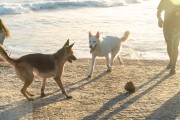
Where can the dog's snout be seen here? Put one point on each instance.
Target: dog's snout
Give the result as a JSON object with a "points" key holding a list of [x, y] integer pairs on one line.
{"points": [[73, 57], [90, 46]]}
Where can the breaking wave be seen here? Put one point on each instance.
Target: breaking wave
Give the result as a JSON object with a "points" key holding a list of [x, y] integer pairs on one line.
{"points": [[25, 7]]}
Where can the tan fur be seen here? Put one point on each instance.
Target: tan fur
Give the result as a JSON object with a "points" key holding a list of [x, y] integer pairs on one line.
{"points": [[42, 65]]}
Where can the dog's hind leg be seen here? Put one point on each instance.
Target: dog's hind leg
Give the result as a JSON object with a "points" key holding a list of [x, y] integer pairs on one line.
{"points": [[26, 75], [112, 58], [114, 54], [120, 60], [58, 81], [107, 63], [27, 83], [43, 87]]}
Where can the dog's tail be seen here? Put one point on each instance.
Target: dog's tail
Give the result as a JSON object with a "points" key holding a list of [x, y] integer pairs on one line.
{"points": [[125, 36], [5, 56]]}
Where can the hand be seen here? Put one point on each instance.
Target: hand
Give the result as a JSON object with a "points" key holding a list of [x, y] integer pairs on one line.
{"points": [[160, 23]]}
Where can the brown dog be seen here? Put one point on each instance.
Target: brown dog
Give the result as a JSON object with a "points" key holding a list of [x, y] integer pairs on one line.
{"points": [[42, 65]]}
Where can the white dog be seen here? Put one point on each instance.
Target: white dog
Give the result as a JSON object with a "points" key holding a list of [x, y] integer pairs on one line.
{"points": [[109, 44]]}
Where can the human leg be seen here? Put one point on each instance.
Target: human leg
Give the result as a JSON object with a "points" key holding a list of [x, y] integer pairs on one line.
{"points": [[167, 31], [168, 41], [175, 53], [174, 27], [2, 37], [169, 51]]}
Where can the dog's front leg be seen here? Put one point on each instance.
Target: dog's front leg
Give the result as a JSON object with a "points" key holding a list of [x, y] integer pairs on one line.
{"points": [[43, 87], [58, 81], [93, 60], [108, 64]]}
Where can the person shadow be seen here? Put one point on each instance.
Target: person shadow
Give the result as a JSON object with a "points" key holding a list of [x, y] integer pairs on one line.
{"points": [[24, 109], [99, 114], [168, 111]]}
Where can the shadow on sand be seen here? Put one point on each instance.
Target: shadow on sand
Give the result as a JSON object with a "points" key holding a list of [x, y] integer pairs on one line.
{"points": [[168, 111], [99, 113], [24, 108]]}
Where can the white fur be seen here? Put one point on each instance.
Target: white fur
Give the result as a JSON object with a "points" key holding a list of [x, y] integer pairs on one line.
{"points": [[102, 48]]}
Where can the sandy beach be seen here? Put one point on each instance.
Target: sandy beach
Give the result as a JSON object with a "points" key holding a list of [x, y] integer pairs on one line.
{"points": [[101, 97]]}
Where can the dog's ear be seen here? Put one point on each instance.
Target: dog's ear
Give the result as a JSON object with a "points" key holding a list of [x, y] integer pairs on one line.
{"points": [[68, 48], [90, 34], [71, 46], [67, 43], [97, 35]]}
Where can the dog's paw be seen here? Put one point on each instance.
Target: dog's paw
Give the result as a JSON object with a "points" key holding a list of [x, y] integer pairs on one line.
{"points": [[30, 94], [30, 99], [88, 76], [121, 64], [43, 95], [69, 97], [109, 69]]}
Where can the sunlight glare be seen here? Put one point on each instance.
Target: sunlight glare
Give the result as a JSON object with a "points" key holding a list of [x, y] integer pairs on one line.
{"points": [[156, 2], [176, 2]]}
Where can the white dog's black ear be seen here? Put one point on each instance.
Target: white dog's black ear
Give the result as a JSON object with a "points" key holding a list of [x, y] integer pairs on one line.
{"points": [[97, 35], [90, 34]]}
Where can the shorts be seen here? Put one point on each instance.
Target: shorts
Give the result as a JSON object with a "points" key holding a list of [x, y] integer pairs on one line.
{"points": [[171, 27], [2, 37]]}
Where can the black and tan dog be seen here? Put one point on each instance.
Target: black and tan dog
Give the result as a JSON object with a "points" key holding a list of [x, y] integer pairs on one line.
{"points": [[42, 65]]}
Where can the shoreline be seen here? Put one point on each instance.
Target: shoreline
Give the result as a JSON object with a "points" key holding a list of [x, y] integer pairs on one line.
{"points": [[102, 96]]}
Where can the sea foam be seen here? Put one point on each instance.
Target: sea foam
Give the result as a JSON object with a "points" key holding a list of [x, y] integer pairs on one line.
{"points": [[23, 7]]}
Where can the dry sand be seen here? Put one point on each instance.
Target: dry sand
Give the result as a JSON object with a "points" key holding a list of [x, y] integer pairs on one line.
{"points": [[101, 97]]}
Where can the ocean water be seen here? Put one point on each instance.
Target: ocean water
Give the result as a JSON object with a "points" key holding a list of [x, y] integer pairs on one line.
{"points": [[43, 26]]}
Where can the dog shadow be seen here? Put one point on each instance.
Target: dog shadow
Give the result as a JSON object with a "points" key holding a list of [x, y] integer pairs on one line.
{"points": [[24, 108], [16, 110], [86, 81], [99, 114], [81, 83]]}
